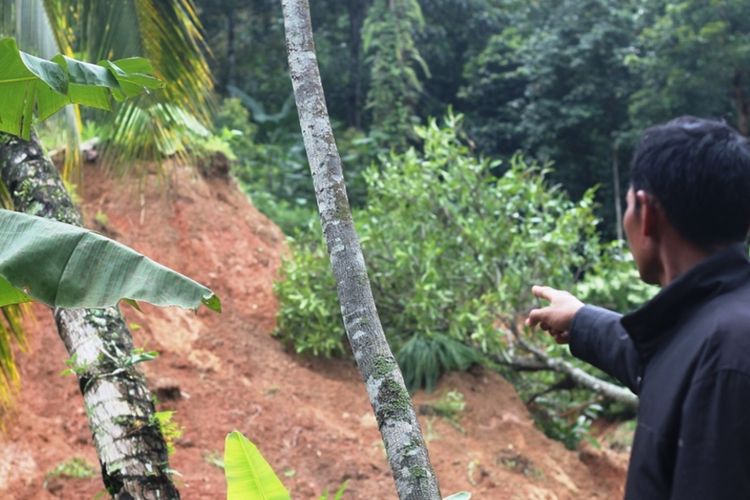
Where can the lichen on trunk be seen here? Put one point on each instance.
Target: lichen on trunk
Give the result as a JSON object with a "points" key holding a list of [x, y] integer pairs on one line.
{"points": [[399, 428], [131, 449]]}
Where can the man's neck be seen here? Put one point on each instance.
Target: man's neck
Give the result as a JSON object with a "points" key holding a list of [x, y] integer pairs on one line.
{"points": [[677, 257]]}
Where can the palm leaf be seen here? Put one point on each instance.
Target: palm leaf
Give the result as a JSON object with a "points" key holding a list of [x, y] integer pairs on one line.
{"points": [[249, 477], [70, 267], [172, 38], [168, 33], [152, 131], [11, 331]]}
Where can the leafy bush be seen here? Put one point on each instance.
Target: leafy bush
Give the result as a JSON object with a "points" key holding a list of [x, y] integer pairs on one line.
{"points": [[452, 251], [274, 172], [308, 315], [614, 282], [271, 167]]}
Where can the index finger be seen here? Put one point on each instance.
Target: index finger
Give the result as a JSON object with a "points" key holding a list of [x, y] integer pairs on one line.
{"points": [[543, 292]]}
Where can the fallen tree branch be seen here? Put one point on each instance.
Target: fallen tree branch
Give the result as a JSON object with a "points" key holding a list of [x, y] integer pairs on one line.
{"points": [[522, 364], [580, 377], [565, 384]]}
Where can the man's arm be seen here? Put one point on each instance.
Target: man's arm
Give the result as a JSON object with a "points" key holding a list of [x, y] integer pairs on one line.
{"points": [[713, 456], [595, 334], [597, 337]]}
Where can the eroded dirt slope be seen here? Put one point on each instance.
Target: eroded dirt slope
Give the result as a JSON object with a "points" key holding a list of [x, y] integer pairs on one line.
{"points": [[311, 418]]}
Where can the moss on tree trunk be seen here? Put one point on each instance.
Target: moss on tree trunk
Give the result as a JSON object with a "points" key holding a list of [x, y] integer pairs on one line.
{"points": [[128, 440], [404, 444]]}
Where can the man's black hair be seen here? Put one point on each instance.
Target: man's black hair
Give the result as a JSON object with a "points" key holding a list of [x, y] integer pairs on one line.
{"points": [[699, 171]]}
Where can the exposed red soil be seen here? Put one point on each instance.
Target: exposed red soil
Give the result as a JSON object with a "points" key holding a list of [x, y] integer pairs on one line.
{"points": [[311, 418]]}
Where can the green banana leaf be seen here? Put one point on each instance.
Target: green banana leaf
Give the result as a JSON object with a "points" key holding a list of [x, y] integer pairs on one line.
{"points": [[249, 477], [28, 82], [68, 266]]}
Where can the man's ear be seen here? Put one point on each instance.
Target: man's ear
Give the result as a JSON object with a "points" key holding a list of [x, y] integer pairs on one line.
{"points": [[650, 213]]}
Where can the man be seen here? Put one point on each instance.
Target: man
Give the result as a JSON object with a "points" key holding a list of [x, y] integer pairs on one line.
{"points": [[686, 352]]}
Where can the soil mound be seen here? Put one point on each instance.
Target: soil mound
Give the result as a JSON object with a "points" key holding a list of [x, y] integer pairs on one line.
{"points": [[311, 418]]}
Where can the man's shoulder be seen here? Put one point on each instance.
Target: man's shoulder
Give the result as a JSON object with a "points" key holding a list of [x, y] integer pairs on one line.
{"points": [[730, 311], [725, 325]]}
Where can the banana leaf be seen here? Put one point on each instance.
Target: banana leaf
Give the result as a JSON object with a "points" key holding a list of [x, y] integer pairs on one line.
{"points": [[28, 82], [72, 267], [249, 477]]}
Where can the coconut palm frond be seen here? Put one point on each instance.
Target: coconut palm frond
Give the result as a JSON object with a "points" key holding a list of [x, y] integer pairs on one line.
{"points": [[151, 130], [172, 38], [59, 22], [11, 332], [169, 34]]}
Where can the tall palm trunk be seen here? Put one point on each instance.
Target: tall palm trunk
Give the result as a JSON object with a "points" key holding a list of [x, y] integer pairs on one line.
{"points": [[128, 440]]}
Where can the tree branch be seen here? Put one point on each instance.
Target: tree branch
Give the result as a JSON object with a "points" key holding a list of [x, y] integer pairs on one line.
{"points": [[580, 377]]}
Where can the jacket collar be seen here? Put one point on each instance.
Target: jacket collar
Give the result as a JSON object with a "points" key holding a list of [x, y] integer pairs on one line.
{"points": [[719, 273]]}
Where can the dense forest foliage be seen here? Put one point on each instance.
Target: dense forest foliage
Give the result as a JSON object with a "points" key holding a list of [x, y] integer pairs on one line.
{"points": [[567, 82], [486, 147]]}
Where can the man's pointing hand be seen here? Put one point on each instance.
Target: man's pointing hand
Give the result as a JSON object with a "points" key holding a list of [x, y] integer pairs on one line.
{"points": [[557, 317]]}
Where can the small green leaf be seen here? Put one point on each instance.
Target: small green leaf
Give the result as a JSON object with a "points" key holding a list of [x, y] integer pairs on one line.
{"points": [[132, 303], [10, 294], [212, 302], [461, 495], [249, 476]]}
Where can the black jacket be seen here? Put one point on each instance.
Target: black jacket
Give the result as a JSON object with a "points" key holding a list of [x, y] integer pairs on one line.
{"points": [[686, 353]]}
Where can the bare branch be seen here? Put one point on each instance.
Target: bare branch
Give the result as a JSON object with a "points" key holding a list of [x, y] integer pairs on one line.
{"points": [[580, 377]]}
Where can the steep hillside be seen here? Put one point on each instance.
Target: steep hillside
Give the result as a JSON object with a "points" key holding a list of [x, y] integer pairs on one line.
{"points": [[311, 418]]}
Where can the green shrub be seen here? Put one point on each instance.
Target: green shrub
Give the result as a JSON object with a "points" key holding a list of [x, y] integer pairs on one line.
{"points": [[614, 282], [308, 316], [271, 167], [452, 251]]}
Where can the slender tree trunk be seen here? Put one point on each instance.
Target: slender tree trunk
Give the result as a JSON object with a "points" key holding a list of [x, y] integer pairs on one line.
{"points": [[404, 445], [741, 104], [131, 449], [230, 12], [357, 11], [616, 188]]}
